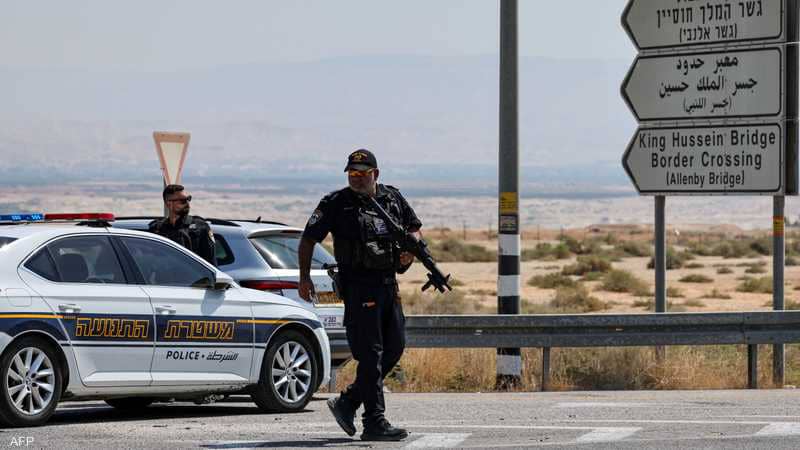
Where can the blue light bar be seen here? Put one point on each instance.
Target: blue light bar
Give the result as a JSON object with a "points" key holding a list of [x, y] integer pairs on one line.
{"points": [[35, 217]]}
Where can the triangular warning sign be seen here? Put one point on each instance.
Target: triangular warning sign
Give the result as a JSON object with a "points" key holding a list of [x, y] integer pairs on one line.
{"points": [[171, 149]]}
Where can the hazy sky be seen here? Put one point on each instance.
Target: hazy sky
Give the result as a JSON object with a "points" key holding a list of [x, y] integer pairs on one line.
{"points": [[163, 35]]}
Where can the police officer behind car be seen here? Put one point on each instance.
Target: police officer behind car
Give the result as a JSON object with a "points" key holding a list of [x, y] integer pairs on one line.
{"points": [[368, 261], [191, 232]]}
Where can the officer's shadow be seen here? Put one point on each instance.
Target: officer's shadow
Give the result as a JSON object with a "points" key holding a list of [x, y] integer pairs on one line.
{"points": [[307, 443]]}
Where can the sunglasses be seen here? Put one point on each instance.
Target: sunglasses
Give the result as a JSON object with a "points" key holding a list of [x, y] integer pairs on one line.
{"points": [[181, 200], [359, 173]]}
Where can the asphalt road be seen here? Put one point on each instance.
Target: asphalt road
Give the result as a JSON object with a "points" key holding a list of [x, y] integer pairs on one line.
{"points": [[605, 420]]}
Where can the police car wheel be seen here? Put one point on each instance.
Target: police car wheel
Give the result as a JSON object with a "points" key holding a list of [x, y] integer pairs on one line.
{"points": [[32, 382], [288, 374], [130, 403]]}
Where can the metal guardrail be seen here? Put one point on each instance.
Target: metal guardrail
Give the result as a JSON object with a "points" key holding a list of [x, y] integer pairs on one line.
{"points": [[606, 330]]}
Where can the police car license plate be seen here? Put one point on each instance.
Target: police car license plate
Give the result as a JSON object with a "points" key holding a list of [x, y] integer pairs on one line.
{"points": [[327, 298], [331, 321]]}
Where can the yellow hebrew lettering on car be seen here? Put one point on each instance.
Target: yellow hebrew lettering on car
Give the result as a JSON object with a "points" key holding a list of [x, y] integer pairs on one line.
{"points": [[199, 329], [111, 327]]}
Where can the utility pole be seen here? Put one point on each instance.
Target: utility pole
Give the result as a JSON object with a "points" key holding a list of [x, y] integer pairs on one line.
{"points": [[509, 361]]}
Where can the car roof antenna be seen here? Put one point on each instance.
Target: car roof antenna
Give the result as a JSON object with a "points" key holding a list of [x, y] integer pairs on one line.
{"points": [[258, 219]]}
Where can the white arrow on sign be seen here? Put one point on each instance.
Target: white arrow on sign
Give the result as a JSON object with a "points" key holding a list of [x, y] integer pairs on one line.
{"points": [[653, 24], [730, 159], [171, 149], [707, 85]]}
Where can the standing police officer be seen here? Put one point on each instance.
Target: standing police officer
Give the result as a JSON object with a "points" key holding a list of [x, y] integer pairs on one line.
{"points": [[191, 232], [368, 260]]}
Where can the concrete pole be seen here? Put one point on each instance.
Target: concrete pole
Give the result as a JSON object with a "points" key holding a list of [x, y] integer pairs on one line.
{"points": [[778, 260], [509, 361]]}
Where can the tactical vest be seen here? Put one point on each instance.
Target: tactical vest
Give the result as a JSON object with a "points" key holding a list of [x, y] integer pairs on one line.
{"points": [[374, 250]]}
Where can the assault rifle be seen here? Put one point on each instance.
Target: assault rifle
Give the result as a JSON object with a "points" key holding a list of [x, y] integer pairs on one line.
{"points": [[409, 243]]}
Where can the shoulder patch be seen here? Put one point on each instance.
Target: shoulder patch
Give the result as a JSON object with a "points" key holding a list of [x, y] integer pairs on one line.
{"points": [[315, 217]]}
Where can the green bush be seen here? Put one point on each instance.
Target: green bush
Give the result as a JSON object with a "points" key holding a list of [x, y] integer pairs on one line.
{"points": [[576, 299], [586, 264], [624, 281], [696, 278], [547, 252], [761, 285], [452, 250], [551, 281], [762, 245], [592, 276]]}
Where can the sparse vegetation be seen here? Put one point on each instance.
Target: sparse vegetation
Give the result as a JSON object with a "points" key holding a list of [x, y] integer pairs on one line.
{"points": [[694, 265], [576, 299], [716, 294], [551, 281], [674, 292], [696, 278], [546, 252], [694, 303], [586, 264], [724, 270], [755, 268], [624, 281], [634, 248], [452, 249], [761, 285], [675, 259]]}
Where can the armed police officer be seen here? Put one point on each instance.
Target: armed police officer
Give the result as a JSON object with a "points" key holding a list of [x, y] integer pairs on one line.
{"points": [[191, 232], [367, 262]]}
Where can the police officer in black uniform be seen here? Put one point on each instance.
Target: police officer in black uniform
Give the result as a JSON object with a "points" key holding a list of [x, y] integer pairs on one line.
{"points": [[368, 261], [191, 232]]}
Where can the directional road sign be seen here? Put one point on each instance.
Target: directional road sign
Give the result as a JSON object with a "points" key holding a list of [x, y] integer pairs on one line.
{"points": [[653, 24], [729, 159], [707, 85], [171, 149]]}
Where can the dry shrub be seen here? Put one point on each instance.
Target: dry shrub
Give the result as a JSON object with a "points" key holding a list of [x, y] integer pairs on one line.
{"points": [[635, 248], [724, 270], [624, 281], [696, 278], [716, 294], [454, 250], [433, 302], [546, 252], [761, 285], [586, 264], [674, 292], [694, 303], [755, 269], [551, 281], [576, 299]]}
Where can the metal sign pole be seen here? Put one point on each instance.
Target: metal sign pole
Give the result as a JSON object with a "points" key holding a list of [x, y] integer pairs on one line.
{"points": [[509, 361], [660, 266], [778, 254]]}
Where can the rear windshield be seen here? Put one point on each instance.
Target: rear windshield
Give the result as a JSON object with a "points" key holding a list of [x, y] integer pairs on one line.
{"points": [[280, 251], [6, 240]]}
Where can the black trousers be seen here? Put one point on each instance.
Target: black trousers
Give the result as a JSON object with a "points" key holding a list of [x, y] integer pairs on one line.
{"points": [[376, 333]]}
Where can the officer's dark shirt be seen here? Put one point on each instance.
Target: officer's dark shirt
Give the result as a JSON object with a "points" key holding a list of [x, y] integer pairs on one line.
{"points": [[337, 213], [191, 232]]}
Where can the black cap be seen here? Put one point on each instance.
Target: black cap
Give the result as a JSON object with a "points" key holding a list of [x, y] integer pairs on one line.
{"points": [[361, 159]]}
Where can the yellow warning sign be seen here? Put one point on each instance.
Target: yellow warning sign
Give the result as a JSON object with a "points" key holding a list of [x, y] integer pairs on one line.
{"points": [[509, 202], [777, 225]]}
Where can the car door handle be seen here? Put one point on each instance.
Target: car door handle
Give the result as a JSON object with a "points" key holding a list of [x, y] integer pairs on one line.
{"points": [[165, 309], [69, 308]]}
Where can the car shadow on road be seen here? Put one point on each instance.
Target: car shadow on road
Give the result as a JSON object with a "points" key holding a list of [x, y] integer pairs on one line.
{"points": [[70, 414], [309, 443]]}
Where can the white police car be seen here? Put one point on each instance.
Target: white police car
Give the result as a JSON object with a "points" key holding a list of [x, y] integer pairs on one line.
{"points": [[90, 312]]}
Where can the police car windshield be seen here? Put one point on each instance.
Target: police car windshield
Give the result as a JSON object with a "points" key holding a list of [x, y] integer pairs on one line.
{"points": [[280, 252], [6, 240]]}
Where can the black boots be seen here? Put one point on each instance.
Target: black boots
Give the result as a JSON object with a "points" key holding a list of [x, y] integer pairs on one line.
{"points": [[383, 431], [343, 414]]}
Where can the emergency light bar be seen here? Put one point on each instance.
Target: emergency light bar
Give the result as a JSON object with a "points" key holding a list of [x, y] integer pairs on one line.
{"points": [[105, 217], [35, 217]]}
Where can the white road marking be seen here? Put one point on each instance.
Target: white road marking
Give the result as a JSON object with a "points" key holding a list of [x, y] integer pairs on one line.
{"points": [[439, 440], [780, 429], [605, 405], [608, 434], [699, 422]]}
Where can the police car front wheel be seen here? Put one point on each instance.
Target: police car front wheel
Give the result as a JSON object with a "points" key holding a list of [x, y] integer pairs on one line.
{"points": [[288, 375], [32, 382]]}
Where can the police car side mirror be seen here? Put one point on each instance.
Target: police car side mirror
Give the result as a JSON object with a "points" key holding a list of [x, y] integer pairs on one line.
{"points": [[223, 282]]}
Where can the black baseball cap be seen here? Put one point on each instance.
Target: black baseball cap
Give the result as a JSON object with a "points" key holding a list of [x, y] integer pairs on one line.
{"points": [[361, 159]]}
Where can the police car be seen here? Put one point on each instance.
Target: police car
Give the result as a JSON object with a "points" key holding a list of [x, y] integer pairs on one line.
{"points": [[94, 312], [263, 255]]}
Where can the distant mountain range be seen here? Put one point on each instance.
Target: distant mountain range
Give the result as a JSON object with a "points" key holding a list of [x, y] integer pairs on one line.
{"points": [[428, 119]]}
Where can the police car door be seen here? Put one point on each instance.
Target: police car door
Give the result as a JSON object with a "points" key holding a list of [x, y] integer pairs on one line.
{"points": [[204, 336], [109, 323]]}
